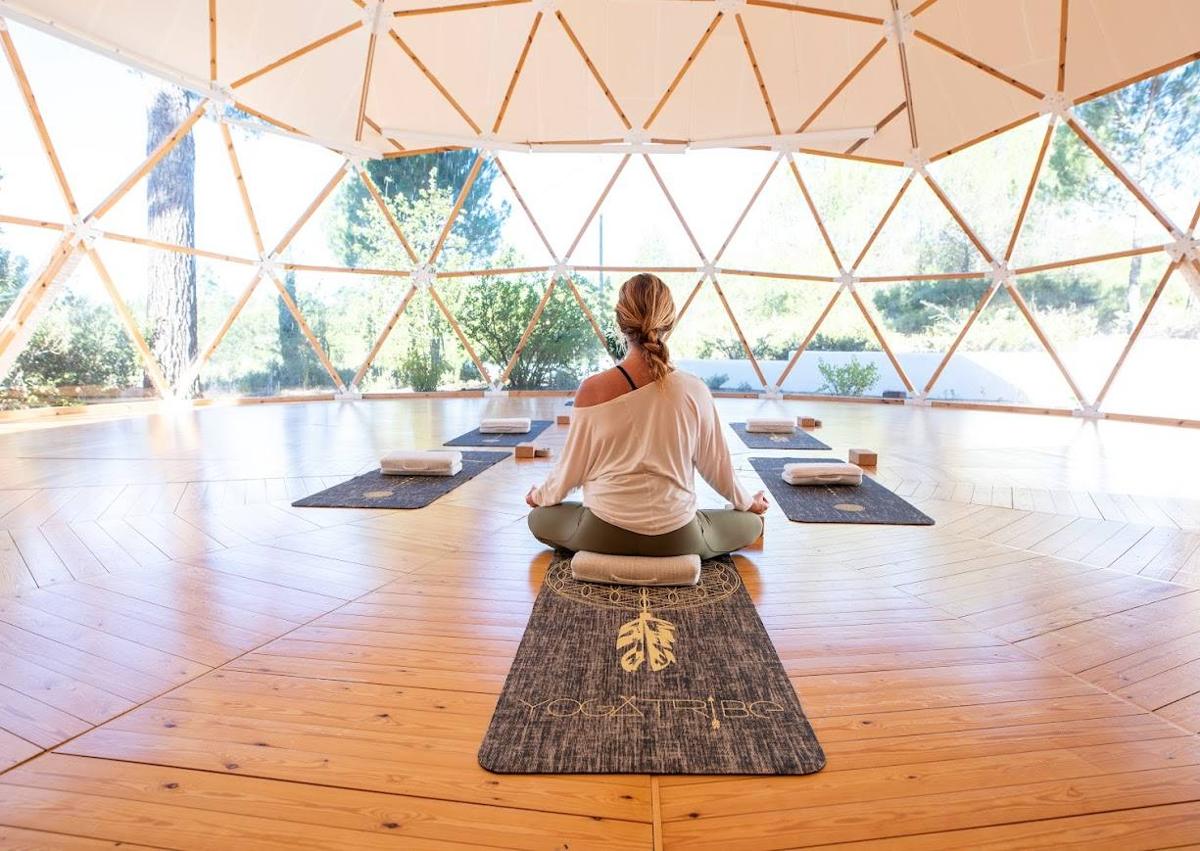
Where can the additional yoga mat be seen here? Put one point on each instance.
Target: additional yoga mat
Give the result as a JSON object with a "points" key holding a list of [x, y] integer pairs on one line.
{"points": [[798, 439], [869, 502], [616, 679], [375, 490], [475, 438]]}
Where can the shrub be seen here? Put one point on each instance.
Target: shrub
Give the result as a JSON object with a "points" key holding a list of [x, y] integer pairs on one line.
{"points": [[716, 382], [852, 378]]}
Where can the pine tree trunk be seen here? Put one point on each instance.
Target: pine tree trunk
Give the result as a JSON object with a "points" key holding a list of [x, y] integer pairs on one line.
{"points": [[171, 217]]}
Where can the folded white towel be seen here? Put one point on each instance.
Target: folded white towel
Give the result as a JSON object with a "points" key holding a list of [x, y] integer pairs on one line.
{"points": [[509, 425], [430, 462], [770, 425], [829, 473], [635, 570]]}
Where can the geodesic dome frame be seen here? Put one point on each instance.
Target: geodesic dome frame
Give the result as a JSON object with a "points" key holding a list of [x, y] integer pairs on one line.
{"points": [[898, 33]]}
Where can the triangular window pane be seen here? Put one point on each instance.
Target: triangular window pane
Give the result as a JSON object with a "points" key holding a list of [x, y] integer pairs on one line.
{"points": [[635, 226], [1151, 381], [79, 352], [920, 237], [1152, 128], [1080, 209], [780, 234]]}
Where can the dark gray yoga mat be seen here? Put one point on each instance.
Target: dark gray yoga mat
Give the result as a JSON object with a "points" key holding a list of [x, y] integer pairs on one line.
{"points": [[475, 438], [798, 439], [615, 679], [375, 490], [869, 502]]}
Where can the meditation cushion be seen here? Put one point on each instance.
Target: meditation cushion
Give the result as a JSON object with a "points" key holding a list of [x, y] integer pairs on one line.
{"points": [[635, 570], [770, 425], [830, 473], [509, 425], [421, 463]]}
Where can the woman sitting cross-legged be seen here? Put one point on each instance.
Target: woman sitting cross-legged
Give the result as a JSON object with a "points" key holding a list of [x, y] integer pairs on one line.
{"points": [[639, 434]]}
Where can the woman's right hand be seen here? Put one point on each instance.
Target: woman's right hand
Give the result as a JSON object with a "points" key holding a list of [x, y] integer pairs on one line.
{"points": [[760, 504]]}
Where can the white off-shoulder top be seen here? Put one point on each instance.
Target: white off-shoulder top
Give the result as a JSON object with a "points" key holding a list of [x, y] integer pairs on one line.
{"points": [[636, 457]]}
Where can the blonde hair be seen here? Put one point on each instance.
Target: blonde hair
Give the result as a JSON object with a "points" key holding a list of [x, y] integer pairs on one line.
{"points": [[646, 315]]}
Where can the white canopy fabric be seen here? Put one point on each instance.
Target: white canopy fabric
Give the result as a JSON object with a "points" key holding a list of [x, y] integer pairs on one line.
{"points": [[414, 74]]}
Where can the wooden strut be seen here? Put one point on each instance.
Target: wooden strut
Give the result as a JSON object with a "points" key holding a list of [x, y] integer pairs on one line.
{"points": [[675, 207], [212, 41], [193, 371], [25, 307], [1136, 332], [746, 210], [758, 75], [587, 60], [175, 248], [980, 64], [458, 205], [887, 214], [787, 370], [35, 113], [388, 215], [904, 76], [516, 74], [368, 65], [662, 101], [1145, 316], [1033, 181], [153, 369], [596, 207], [461, 336], [879, 125], [587, 311], [1019, 301], [841, 86], [294, 310], [457, 7], [521, 200], [533, 320], [762, 379], [243, 191], [875, 329], [813, 10], [155, 157], [295, 54], [812, 208], [382, 337], [437, 84]]}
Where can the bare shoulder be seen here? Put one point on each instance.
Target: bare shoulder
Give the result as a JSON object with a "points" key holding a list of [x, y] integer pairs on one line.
{"points": [[599, 388]]}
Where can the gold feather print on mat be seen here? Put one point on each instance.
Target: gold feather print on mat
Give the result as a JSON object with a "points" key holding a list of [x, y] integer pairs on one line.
{"points": [[646, 638]]}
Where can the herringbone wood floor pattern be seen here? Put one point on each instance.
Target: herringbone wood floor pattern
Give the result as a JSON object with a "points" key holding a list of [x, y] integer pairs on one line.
{"points": [[187, 661]]}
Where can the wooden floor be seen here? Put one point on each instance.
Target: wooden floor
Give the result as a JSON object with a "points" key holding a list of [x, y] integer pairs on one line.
{"points": [[186, 661]]}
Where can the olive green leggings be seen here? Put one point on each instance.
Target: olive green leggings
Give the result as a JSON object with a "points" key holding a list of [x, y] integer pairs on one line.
{"points": [[710, 533]]}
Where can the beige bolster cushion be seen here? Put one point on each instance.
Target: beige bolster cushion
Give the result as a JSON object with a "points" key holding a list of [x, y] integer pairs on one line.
{"points": [[421, 463], [831, 473], [635, 570], [506, 425], [770, 425]]}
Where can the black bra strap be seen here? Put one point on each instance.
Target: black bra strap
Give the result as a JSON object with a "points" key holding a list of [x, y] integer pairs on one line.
{"points": [[632, 386]]}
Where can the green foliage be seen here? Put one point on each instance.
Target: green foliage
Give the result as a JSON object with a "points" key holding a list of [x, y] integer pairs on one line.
{"points": [[768, 348], [822, 342], [1143, 126], [716, 382], [852, 378], [422, 369], [77, 344], [439, 175], [494, 313]]}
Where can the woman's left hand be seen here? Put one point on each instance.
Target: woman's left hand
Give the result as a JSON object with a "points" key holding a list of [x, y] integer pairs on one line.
{"points": [[529, 497], [760, 503]]}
